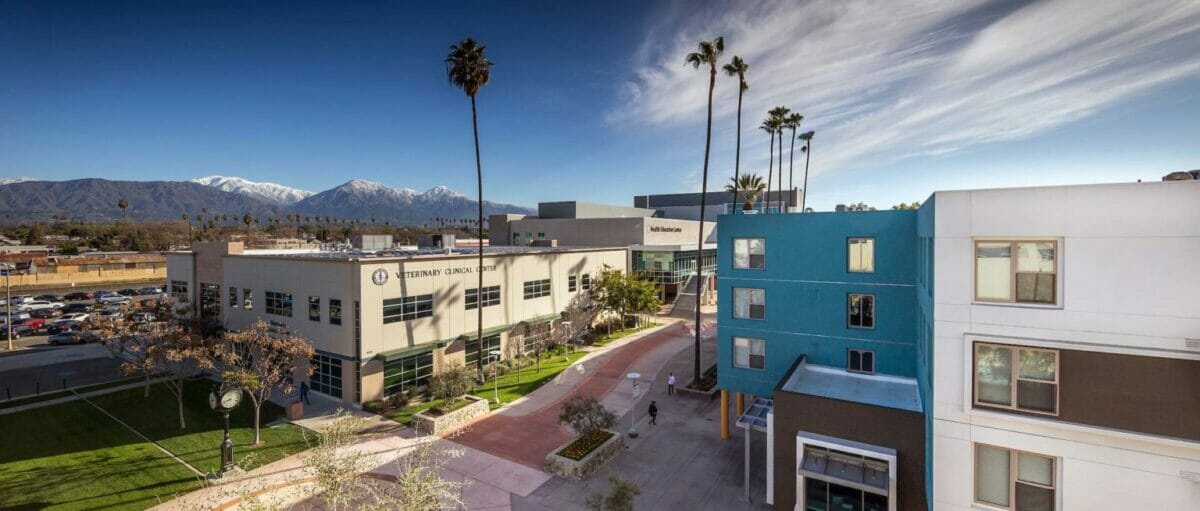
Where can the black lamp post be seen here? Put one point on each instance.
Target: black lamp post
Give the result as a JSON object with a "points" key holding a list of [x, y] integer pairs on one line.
{"points": [[224, 398]]}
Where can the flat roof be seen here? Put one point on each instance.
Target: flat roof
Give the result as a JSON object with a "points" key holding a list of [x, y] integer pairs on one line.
{"points": [[409, 254], [872, 389]]}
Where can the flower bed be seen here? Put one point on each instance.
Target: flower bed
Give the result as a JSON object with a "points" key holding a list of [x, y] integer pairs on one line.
{"points": [[446, 421], [446, 408], [582, 456], [705, 387]]}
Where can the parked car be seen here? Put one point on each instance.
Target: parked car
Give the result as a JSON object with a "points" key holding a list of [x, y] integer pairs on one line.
{"points": [[128, 292], [73, 337], [46, 313], [141, 317], [112, 312], [20, 299], [34, 323], [78, 316], [39, 304], [150, 290], [60, 326], [72, 308], [18, 331], [147, 303], [115, 300], [17, 316], [49, 298], [79, 295]]}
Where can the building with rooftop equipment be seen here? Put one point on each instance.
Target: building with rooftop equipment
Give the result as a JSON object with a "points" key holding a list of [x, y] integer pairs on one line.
{"points": [[1021, 349], [384, 321], [686, 206]]}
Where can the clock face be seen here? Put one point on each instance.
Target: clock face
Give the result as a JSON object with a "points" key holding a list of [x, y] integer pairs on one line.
{"points": [[379, 277], [231, 398]]}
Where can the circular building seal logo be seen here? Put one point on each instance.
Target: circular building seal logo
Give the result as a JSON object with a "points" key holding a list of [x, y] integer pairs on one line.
{"points": [[379, 277]]}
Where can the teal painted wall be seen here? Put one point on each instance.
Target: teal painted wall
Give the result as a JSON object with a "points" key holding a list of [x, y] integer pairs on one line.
{"points": [[806, 283]]}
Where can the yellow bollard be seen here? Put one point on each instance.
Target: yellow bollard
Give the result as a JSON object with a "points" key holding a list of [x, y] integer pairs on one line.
{"points": [[741, 404], [724, 415]]}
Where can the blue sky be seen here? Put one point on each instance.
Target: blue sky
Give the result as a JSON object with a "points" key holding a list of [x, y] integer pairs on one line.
{"points": [[590, 100]]}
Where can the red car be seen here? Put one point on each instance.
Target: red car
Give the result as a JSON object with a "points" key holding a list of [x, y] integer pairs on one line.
{"points": [[34, 323]]}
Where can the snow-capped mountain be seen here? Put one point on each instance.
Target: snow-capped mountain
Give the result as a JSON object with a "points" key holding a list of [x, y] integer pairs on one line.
{"points": [[11, 180], [270, 192], [365, 199]]}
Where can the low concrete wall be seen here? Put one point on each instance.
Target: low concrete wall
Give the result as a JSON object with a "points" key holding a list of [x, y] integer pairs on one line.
{"points": [[442, 424], [89, 278], [578, 470]]}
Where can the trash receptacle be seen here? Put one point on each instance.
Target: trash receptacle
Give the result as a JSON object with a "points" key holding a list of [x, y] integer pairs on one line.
{"points": [[295, 410]]}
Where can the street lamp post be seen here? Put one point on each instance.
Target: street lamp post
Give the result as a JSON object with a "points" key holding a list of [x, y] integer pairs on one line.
{"points": [[495, 375], [633, 378], [223, 399], [8, 304]]}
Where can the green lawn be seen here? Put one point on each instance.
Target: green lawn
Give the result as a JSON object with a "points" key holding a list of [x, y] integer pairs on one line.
{"points": [[199, 444], [70, 456], [509, 389], [605, 339]]}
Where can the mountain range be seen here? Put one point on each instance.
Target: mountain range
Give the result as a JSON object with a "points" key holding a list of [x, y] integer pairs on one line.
{"points": [[23, 199]]}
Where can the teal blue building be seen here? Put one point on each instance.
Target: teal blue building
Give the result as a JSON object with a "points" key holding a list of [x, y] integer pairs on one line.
{"points": [[824, 318]]}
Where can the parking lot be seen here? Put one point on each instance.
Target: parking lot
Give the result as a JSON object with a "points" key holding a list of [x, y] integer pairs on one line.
{"points": [[40, 338]]}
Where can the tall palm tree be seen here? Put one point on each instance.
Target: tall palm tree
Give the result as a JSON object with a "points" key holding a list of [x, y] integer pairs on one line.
{"points": [[807, 150], [738, 67], [749, 186], [123, 204], [248, 219], [468, 69], [792, 121], [779, 114], [768, 125], [706, 55]]}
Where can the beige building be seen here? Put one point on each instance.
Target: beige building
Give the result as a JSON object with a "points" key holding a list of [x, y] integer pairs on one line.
{"points": [[383, 322]]}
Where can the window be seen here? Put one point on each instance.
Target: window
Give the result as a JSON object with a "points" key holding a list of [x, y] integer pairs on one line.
{"points": [[572, 283], [748, 353], [335, 311], [1016, 378], [541, 235], [838, 480], [1014, 479], [210, 299], [585, 281], [1032, 279], [407, 373], [407, 308], [314, 308], [749, 303], [233, 298], [860, 361], [327, 374], [861, 253], [749, 253], [491, 296], [516, 238], [279, 304], [179, 289], [537, 288], [276, 327], [477, 354], [861, 311], [247, 299], [535, 337]]}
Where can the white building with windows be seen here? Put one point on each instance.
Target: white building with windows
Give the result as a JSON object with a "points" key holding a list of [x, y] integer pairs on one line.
{"points": [[382, 322], [1066, 347]]}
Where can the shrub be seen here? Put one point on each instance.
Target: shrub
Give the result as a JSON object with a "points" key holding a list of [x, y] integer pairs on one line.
{"points": [[619, 497], [375, 406], [586, 415], [452, 383]]}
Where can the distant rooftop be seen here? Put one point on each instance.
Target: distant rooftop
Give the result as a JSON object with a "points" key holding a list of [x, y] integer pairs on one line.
{"points": [[414, 253], [873, 389]]}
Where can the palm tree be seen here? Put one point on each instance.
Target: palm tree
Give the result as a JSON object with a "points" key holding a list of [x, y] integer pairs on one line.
{"points": [[749, 186], [737, 67], [707, 55], [468, 69], [780, 114], [123, 204], [768, 125], [247, 219], [807, 150], [792, 121]]}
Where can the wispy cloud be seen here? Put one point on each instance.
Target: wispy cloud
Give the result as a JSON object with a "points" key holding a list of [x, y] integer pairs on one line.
{"points": [[885, 80]]}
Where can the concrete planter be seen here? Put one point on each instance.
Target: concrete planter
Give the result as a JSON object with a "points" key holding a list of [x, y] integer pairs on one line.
{"points": [[578, 470], [698, 394], [445, 423]]}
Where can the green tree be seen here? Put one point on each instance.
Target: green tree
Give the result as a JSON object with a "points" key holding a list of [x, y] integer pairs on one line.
{"points": [[738, 67], [706, 55], [625, 293], [778, 116], [468, 69], [768, 125], [620, 496], [902, 205], [123, 204], [791, 121], [749, 186], [585, 415], [247, 219]]}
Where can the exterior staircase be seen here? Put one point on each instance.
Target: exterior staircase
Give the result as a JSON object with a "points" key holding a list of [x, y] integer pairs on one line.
{"points": [[685, 301]]}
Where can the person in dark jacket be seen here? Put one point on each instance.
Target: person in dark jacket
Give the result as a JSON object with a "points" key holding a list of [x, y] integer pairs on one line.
{"points": [[304, 392], [653, 413]]}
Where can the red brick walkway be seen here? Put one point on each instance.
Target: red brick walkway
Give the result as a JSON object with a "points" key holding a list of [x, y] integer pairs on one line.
{"points": [[528, 439]]}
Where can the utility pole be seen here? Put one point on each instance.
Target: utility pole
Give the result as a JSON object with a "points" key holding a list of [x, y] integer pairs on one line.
{"points": [[8, 304]]}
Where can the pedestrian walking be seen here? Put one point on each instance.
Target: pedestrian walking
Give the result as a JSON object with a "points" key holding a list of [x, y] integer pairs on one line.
{"points": [[304, 392], [653, 413], [671, 385]]}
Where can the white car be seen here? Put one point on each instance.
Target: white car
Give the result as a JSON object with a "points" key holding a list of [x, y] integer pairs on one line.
{"points": [[114, 300], [16, 316], [38, 305], [112, 312], [76, 316], [20, 299]]}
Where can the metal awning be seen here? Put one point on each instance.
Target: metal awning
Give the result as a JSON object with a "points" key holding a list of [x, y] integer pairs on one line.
{"points": [[409, 351], [755, 417], [845, 469], [486, 332]]}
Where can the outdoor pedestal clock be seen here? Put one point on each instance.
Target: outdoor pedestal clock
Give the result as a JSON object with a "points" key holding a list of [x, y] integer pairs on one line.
{"points": [[224, 398]]}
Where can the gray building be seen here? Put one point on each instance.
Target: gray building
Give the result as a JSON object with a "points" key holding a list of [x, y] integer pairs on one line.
{"points": [[686, 206]]}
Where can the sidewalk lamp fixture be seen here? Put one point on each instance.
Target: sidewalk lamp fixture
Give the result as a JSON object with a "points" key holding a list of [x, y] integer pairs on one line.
{"points": [[570, 339], [633, 378], [495, 354], [223, 399]]}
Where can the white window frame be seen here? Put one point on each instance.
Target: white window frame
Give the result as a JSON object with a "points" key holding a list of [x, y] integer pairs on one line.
{"points": [[874, 242], [804, 439], [749, 316], [1014, 379], [1013, 241], [750, 342], [849, 356], [849, 300], [1013, 465], [745, 242]]}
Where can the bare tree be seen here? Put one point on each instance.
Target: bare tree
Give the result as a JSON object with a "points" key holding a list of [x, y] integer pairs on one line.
{"points": [[619, 497], [261, 361]]}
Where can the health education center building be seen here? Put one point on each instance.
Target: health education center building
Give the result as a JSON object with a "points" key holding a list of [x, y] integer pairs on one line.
{"points": [[1033, 349], [384, 321]]}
